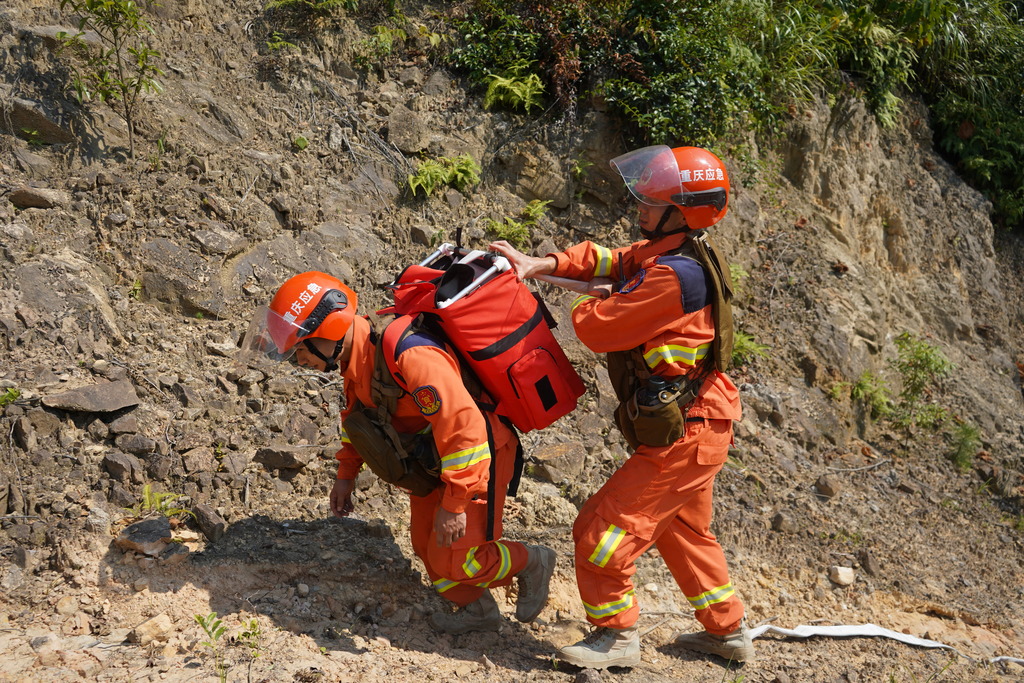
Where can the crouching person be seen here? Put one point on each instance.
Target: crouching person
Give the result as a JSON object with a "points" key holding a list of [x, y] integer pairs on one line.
{"points": [[462, 458]]}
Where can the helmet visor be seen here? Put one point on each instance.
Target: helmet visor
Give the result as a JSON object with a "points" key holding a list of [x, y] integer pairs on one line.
{"points": [[274, 336], [650, 173], [267, 335]]}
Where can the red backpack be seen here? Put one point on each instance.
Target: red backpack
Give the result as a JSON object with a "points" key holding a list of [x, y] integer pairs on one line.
{"points": [[501, 330]]}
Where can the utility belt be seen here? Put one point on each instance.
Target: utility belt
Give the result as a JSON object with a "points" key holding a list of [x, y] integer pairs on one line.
{"points": [[655, 415], [652, 409]]}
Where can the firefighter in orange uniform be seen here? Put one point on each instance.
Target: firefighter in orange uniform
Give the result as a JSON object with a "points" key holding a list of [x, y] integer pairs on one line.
{"points": [[313, 316], [650, 309]]}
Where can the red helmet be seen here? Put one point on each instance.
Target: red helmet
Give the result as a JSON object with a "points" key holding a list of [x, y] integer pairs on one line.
{"points": [[307, 306], [690, 178]]}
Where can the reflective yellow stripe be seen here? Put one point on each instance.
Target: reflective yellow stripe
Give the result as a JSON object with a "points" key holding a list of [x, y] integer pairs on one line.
{"points": [[441, 585], [579, 300], [673, 353], [603, 255], [344, 436], [711, 597], [471, 566], [466, 457], [610, 608], [504, 568], [609, 542]]}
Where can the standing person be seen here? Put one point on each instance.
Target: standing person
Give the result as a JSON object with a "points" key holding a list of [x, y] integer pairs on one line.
{"points": [[313, 317], [676, 406]]}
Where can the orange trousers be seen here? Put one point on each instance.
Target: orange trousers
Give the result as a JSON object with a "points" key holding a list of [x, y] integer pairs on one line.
{"points": [[462, 571], [661, 497]]}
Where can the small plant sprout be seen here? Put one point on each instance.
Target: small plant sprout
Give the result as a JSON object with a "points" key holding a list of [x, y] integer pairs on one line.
{"points": [[214, 629], [745, 349], [299, 143], [251, 638], [966, 444]]}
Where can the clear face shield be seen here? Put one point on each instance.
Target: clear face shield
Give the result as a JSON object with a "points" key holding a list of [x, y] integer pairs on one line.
{"points": [[267, 334], [650, 170], [274, 336]]}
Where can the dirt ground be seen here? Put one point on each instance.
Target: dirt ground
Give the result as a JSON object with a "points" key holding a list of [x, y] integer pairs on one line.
{"points": [[148, 270]]}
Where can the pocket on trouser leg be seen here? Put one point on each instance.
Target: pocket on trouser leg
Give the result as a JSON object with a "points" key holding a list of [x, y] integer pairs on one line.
{"points": [[713, 448]]}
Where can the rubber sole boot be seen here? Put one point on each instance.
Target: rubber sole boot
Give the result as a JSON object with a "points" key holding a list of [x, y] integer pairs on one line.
{"points": [[734, 647], [603, 648], [480, 615], [534, 582]]}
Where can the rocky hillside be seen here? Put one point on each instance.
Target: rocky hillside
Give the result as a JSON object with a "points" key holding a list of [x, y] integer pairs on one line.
{"points": [[127, 282]]}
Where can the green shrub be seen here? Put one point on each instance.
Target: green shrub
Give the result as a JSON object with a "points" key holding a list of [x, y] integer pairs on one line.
{"points": [[693, 71], [920, 366], [312, 8], [460, 172], [966, 444], [872, 392], [122, 67], [379, 46], [512, 231], [745, 349], [278, 42]]}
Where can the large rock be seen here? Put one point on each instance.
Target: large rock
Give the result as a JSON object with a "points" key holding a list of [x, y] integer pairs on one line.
{"points": [[148, 537], [181, 278], [407, 130], [18, 115], [106, 397], [29, 197], [282, 457]]}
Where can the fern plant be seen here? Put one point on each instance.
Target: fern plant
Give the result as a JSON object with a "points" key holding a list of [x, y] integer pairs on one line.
{"points": [[460, 172], [745, 349], [157, 502], [514, 90]]}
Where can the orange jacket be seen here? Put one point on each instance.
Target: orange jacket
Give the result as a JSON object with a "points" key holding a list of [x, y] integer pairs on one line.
{"points": [[664, 307], [438, 401]]}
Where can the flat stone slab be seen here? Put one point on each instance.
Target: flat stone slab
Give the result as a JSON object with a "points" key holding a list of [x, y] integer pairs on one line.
{"points": [[107, 397]]}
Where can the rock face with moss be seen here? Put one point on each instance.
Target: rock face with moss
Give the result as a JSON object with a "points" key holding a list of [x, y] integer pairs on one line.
{"points": [[864, 268]]}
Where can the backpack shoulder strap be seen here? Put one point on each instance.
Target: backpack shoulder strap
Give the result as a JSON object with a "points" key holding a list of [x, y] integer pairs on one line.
{"points": [[385, 388], [718, 271]]}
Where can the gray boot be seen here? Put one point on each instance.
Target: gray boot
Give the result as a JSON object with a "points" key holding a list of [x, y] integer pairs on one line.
{"points": [[534, 582], [734, 647], [480, 615], [603, 648]]}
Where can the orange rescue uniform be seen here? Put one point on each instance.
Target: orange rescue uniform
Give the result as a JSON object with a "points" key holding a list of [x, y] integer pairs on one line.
{"points": [[437, 401], [662, 495]]}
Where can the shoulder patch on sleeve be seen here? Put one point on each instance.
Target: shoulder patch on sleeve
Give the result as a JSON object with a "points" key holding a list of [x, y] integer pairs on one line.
{"points": [[427, 399], [634, 282]]}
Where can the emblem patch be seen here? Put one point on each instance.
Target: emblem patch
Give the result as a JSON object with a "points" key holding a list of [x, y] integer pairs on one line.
{"points": [[427, 399], [634, 282]]}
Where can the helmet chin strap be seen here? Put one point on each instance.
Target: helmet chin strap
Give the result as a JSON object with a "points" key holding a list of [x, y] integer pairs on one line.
{"points": [[330, 364], [659, 229]]}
